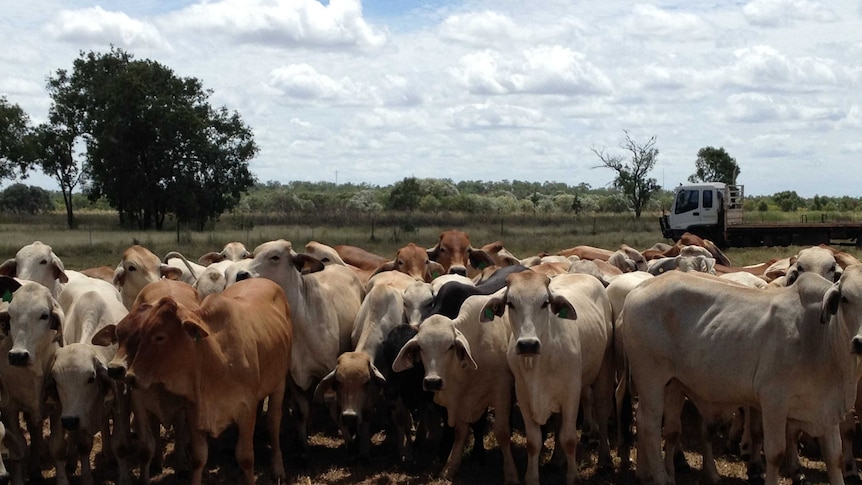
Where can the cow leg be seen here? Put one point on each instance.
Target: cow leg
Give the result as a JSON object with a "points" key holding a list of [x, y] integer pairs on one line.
{"points": [[300, 397], [453, 463], [4, 474], [84, 444], [624, 413], [534, 446], [603, 396], [58, 446], [16, 444], [708, 429], [199, 452], [146, 440], [402, 424], [119, 435], [774, 441], [568, 440], [790, 466], [503, 434], [182, 443], [244, 446], [37, 445], [848, 461], [274, 415], [830, 448], [649, 417], [754, 425]]}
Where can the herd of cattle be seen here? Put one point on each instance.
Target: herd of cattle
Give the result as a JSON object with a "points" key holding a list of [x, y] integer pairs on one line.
{"points": [[431, 336]]}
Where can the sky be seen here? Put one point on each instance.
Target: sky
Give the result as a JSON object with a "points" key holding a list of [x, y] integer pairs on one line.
{"points": [[376, 91]]}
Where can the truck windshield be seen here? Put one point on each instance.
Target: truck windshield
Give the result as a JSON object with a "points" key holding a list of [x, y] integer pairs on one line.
{"points": [[686, 200]]}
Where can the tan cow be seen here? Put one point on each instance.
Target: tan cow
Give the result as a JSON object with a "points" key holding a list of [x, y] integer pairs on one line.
{"points": [[561, 346], [139, 267], [792, 352], [465, 366], [232, 251], [223, 356], [413, 260], [154, 406], [324, 301]]}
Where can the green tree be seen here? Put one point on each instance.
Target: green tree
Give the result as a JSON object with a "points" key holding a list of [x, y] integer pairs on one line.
{"points": [[154, 143], [405, 195], [715, 165], [14, 132], [21, 199], [788, 200], [632, 176]]}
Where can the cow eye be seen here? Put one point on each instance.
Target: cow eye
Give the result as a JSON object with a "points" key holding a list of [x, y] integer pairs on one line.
{"points": [[275, 258], [509, 305], [132, 268], [43, 316], [159, 338], [545, 304], [91, 379], [44, 261]]}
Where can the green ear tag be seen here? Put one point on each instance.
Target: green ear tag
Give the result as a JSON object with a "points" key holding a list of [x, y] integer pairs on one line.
{"points": [[435, 274], [483, 265], [564, 313], [7, 296], [489, 314]]}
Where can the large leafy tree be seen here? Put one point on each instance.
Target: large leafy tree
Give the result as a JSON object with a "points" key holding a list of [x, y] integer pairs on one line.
{"points": [[154, 143], [714, 165], [632, 177], [14, 132], [405, 195]]}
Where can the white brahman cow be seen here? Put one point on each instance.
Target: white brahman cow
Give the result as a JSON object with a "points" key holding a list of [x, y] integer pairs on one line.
{"points": [[791, 352]]}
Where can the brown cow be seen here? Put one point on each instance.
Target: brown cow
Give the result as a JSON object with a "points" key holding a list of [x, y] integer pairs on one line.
{"points": [[223, 356], [359, 257], [587, 252], [413, 261], [454, 252]]}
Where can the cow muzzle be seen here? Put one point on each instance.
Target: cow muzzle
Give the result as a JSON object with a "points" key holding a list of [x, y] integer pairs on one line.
{"points": [[349, 419], [459, 270], [432, 384], [857, 345], [243, 275], [528, 346], [71, 423], [19, 358], [116, 371]]}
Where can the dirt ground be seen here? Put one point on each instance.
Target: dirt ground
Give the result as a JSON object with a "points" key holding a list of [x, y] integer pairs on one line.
{"points": [[329, 464]]}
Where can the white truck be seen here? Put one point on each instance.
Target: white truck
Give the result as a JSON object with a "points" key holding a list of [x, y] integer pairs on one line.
{"points": [[713, 210]]}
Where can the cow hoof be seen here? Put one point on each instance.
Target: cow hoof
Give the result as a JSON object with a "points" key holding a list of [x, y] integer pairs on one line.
{"points": [[800, 480], [756, 479], [853, 480]]}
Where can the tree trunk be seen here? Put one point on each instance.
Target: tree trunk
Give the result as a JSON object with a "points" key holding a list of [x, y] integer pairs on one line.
{"points": [[67, 199]]}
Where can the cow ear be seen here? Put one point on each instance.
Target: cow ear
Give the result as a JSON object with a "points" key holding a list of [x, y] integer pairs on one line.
{"points": [[107, 386], [462, 350], [479, 259], [387, 266], [8, 286], [829, 306], [119, 276], [210, 258], [494, 307], [49, 389], [195, 331], [106, 336], [306, 264], [325, 392], [563, 308], [170, 272], [56, 322], [432, 270], [59, 269], [406, 356], [433, 253], [9, 268]]}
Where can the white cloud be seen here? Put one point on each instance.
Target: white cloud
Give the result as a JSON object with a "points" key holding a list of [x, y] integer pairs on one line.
{"points": [[484, 28], [540, 70], [764, 67], [303, 82], [782, 13], [649, 21], [488, 115], [281, 22], [96, 25]]}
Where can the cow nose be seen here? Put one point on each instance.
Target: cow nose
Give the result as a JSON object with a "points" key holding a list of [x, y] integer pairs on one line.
{"points": [[349, 418], [857, 345], [528, 346], [432, 383], [116, 371], [131, 380], [459, 270], [243, 275], [71, 423], [19, 357]]}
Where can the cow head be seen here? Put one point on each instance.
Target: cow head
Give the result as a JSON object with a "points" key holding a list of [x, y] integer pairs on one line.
{"points": [[82, 385], [443, 350], [418, 301], [846, 303], [814, 260], [529, 304], [350, 386], [34, 321], [232, 251], [277, 261], [139, 267], [413, 261], [36, 262], [453, 251]]}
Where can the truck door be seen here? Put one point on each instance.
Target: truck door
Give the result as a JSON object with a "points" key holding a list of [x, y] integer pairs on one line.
{"points": [[686, 209]]}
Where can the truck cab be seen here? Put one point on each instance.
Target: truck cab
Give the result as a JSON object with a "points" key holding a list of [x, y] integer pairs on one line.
{"points": [[698, 209]]}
